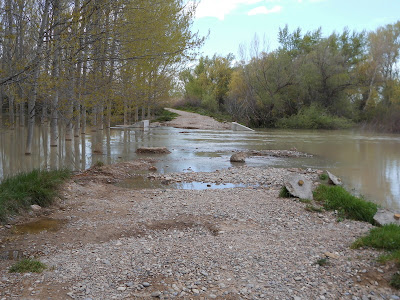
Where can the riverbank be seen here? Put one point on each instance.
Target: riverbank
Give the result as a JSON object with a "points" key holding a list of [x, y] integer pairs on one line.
{"points": [[236, 243]]}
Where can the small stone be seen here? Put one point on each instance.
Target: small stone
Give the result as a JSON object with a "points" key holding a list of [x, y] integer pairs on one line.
{"points": [[36, 207], [394, 297], [298, 278], [296, 298], [212, 296], [146, 284], [156, 294], [195, 291], [331, 255], [121, 288]]}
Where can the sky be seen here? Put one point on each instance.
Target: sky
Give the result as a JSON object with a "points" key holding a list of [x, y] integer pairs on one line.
{"points": [[235, 22]]}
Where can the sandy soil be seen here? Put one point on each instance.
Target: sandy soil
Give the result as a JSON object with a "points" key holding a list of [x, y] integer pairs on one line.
{"points": [[232, 243]]}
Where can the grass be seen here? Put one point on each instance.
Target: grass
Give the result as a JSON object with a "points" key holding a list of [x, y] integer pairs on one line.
{"points": [[322, 262], [165, 116], [19, 192], [351, 207], [323, 176], [27, 265], [99, 164], [386, 238], [284, 193], [313, 208]]}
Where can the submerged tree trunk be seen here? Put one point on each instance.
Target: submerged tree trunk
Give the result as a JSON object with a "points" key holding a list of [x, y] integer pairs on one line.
{"points": [[33, 97]]}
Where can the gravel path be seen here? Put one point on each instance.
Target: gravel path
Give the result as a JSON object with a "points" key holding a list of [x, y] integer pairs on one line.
{"points": [[237, 243], [189, 120]]}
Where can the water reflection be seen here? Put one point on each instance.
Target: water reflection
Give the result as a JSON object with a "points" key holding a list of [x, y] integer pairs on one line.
{"points": [[368, 163]]}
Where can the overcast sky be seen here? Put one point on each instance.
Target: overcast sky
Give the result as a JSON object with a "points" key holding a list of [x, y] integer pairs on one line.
{"points": [[232, 22]]}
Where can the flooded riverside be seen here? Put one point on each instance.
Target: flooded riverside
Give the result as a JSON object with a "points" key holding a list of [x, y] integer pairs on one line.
{"points": [[368, 163]]}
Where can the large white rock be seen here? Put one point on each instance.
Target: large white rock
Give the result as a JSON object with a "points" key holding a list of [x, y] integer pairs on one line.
{"points": [[385, 216], [333, 179], [299, 186]]}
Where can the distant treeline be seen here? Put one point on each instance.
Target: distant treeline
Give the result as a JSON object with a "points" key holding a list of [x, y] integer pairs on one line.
{"points": [[310, 81]]}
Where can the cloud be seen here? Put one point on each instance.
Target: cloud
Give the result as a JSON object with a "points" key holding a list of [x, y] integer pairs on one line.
{"points": [[263, 10], [220, 8]]}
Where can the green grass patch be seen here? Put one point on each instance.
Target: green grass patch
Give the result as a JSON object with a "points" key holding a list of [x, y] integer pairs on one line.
{"points": [[37, 187], [27, 265], [165, 116], [322, 262], [284, 193], [323, 176], [386, 237], [313, 208], [308, 201], [352, 207]]}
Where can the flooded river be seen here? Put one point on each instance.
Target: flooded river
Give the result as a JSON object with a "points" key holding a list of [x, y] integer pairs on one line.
{"points": [[368, 163]]}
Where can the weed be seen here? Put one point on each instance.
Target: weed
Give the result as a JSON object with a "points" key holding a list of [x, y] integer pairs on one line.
{"points": [[386, 237], [337, 198], [305, 200], [323, 176], [395, 281], [36, 187], [322, 262], [27, 265], [284, 193], [98, 164], [313, 208], [165, 116]]}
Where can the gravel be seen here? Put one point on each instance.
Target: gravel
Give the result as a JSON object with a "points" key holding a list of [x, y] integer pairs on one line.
{"points": [[237, 243]]}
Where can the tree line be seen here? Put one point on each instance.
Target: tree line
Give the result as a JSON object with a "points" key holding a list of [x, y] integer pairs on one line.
{"points": [[78, 62], [309, 81]]}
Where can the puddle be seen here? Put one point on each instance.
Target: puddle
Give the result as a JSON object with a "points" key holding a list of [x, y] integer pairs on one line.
{"points": [[139, 182], [45, 224], [11, 255]]}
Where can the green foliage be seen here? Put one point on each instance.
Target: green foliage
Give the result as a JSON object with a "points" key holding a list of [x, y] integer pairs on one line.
{"points": [[322, 262], [165, 116], [27, 265], [386, 237], [284, 193], [313, 208], [99, 164], [36, 187], [313, 117], [337, 198], [323, 176], [395, 281]]}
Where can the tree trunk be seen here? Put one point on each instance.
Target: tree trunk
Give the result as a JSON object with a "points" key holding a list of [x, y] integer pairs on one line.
{"points": [[33, 97]]}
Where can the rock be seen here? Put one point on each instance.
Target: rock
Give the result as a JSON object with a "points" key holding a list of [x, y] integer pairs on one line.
{"points": [[331, 255], [121, 288], [385, 216], [36, 207], [153, 168], [238, 157], [299, 186], [333, 179], [156, 294], [153, 150], [146, 284]]}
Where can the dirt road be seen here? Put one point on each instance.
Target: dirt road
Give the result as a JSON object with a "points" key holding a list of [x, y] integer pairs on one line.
{"points": [[187, 120]]}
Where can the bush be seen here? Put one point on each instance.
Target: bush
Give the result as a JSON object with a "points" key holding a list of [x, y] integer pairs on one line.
{"points": [[165, 116], [337, 198], [36, 187], [313, 117]]}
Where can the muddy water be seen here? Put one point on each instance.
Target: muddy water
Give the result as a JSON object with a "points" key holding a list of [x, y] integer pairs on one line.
{"points": [[368, 163]]}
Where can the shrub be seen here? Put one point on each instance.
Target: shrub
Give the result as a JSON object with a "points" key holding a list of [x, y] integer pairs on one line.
{"points": [[337, 198], [313, 117]]}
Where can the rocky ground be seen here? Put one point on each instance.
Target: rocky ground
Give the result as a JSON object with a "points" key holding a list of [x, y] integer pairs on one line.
{"points": [[245, 242], [236, 243]]}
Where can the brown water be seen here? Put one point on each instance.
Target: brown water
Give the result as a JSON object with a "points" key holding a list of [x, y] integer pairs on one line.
{"points": [[368, 163], [44, 224]]}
